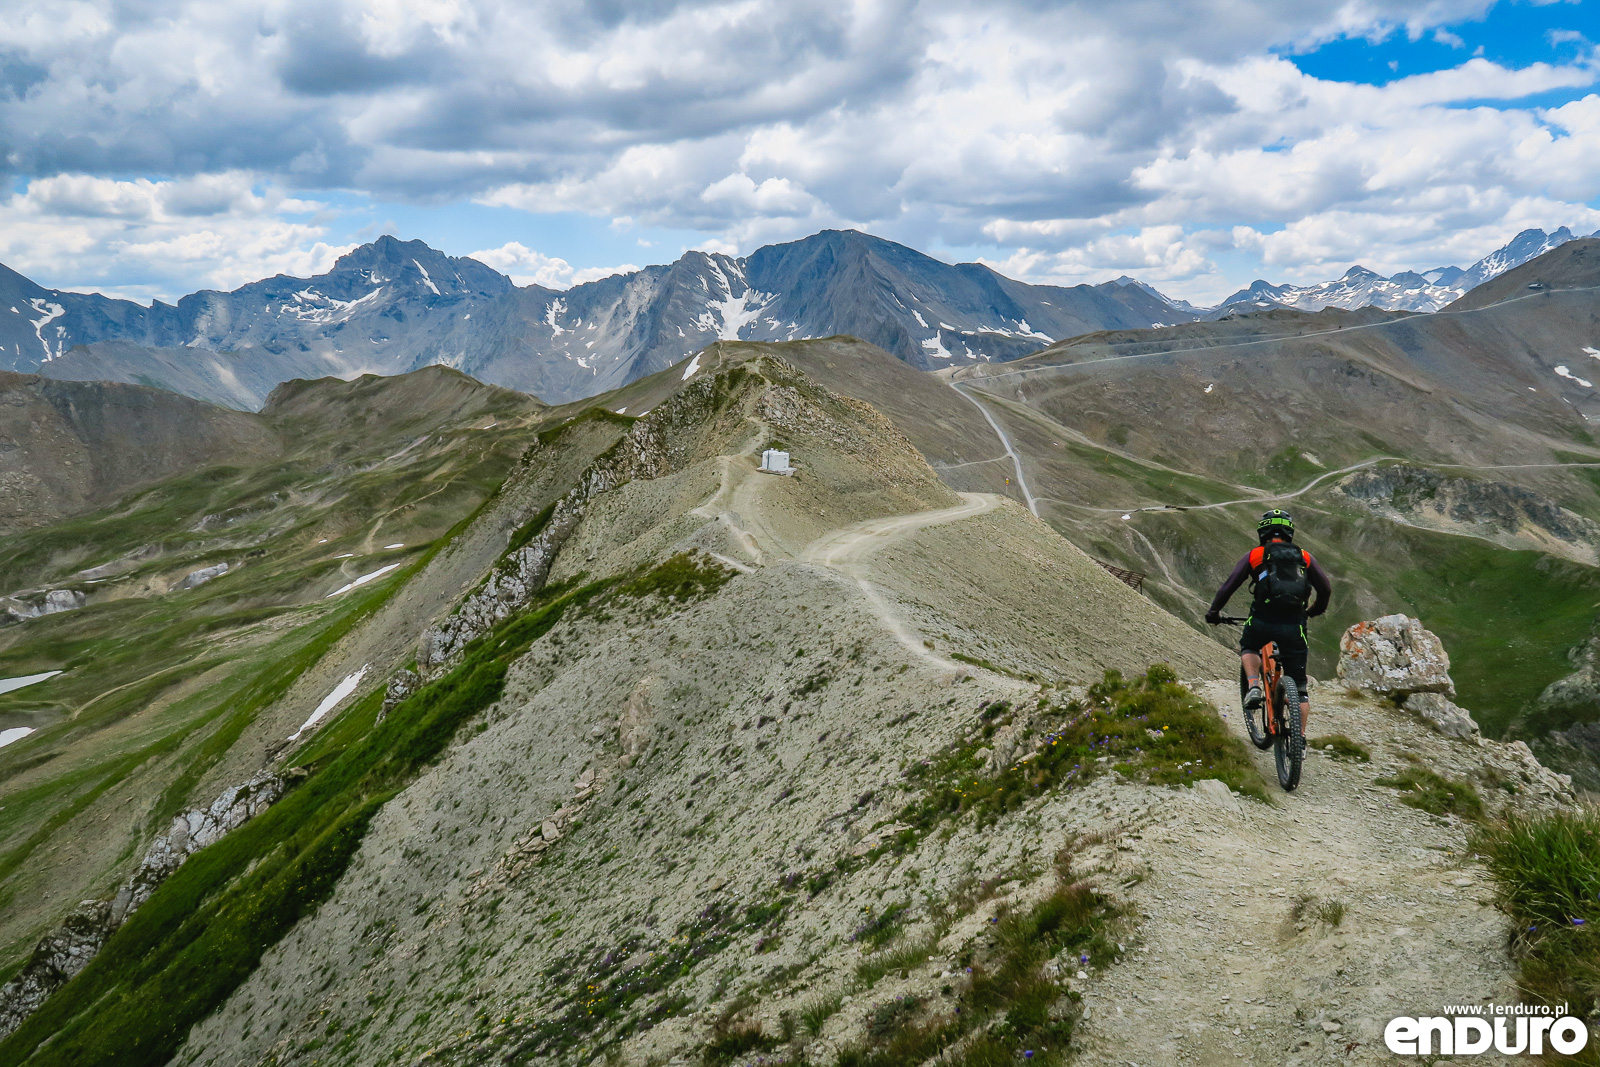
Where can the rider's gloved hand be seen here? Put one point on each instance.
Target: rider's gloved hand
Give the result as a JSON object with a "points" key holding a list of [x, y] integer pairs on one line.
{"points": [[1214, 617]]}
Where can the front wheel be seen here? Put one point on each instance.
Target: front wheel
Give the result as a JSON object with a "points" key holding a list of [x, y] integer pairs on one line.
{"points": [[1289, 746], [1254, 721]]}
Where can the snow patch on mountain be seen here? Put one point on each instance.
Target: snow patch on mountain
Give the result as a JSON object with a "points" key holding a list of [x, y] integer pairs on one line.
{"points": [[312, 306], [331, 701], [1359, 287], [555, 309], [50, 313], [936, 348], [427, 280], [1406, 291]]}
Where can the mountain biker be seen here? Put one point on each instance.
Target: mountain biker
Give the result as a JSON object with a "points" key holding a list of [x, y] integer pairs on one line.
{"points": [[1282, 579]]}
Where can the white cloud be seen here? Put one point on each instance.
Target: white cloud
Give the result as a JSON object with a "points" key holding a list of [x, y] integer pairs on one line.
{"points": [[528, 267], [1073, 137], [209, 230], [1155, 254]]}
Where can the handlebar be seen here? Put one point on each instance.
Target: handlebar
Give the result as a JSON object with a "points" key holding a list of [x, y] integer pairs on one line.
{"points": [[1234, 620]]}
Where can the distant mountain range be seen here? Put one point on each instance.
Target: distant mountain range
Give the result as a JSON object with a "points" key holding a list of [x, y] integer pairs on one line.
{"points": [[393, 306], [1406, 291]]}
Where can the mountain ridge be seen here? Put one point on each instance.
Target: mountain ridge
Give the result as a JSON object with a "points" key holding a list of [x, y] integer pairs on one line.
{"points": [[392, 306], [667, 804], [1429, 290]]}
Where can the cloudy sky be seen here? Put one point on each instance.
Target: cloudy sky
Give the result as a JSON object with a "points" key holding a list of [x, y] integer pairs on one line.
{"points": [[154, 147]]}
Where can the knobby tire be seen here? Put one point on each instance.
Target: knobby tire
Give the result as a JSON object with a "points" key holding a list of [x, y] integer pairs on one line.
{"points": [[1254, 721], [1289, 746]]}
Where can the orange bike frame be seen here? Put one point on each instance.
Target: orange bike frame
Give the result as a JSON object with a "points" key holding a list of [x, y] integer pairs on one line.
{"points": [[1269, 685]]}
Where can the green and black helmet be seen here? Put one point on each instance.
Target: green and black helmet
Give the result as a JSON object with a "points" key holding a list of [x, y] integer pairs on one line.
{"points": [[1276, 523]]}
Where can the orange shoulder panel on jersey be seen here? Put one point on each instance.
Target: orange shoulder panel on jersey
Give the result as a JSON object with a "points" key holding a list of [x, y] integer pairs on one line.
{"points": [[1257, 554], [1307, 555]]}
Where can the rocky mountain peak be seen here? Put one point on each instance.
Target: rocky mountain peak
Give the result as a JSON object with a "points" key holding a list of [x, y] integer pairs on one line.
{"points": [[417, 266], [1406, 291]]}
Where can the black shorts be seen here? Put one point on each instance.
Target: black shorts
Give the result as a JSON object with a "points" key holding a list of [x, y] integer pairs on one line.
{"points": [[1290, 638]]}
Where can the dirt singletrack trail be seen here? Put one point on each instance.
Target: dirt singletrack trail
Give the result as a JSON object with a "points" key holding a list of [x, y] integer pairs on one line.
{"points": [[848, 550], [1222, 971]]}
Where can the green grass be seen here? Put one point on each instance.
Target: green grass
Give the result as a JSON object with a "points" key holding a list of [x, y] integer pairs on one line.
{"points": [[1307, 907], [1150, 728], [599, 1016], [892, 1015], [893, 961], [735, 1042], [1153, 484], [814, 1014], [883, 926], [159, 687], [1341, 747], [1423, 789], [977, 661], [685, 576], [1506, 617], [1288, 468], [1546, 871], [1008, 1005]]}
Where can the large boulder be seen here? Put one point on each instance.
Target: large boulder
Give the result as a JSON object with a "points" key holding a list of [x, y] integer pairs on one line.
{"points": [[1394, 656]]}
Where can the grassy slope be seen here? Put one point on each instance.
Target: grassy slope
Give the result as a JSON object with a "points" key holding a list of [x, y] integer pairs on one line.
{"points": [[158, 685], [204, 930], [1507, 617]]}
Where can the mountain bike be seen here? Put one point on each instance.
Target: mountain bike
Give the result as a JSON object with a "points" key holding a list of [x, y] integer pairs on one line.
{"points": [[1276, 723]]}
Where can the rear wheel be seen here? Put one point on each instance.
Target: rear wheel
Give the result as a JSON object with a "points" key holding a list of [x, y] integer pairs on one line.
{"points": [[1289, 748], [1254, 721]]}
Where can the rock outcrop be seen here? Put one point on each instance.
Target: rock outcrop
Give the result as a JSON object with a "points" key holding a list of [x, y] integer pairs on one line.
{"points": [[1577, 696], [58, 956], [1533, 786], [644, 451], [1563, 723], [203, 575], [1397, 658], [1442, 714], [403, 684], [1394, 656], [54, 602], [69, 948], [194, 830], [1506, 514]]}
